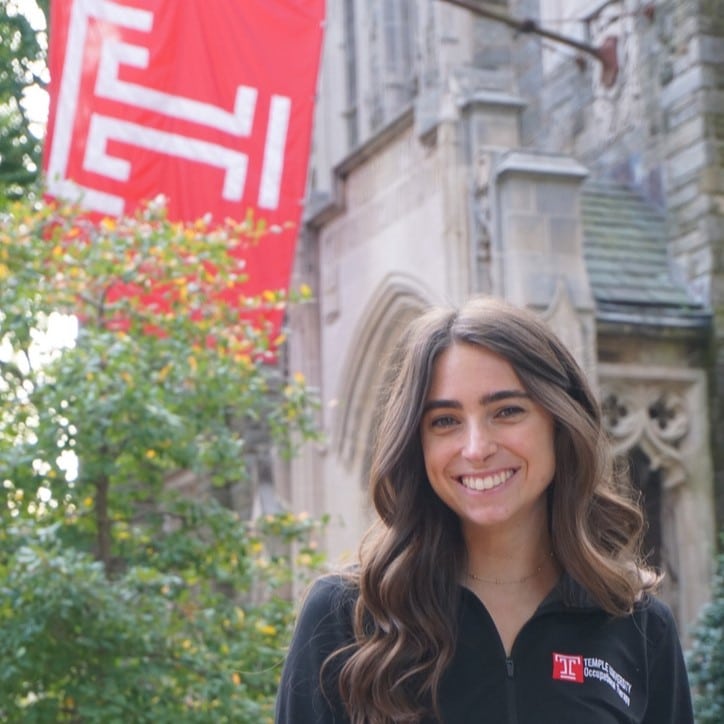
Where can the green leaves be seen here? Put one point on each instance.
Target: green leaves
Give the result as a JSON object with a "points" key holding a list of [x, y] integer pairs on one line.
{"points": [[22, 67], [706, 658], [147, 646], [130, 593]]}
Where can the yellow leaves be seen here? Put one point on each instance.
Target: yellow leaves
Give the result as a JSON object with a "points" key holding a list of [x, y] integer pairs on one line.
{"points": [[127, 377], [265, 628], [278, 299], [240, 616], [192, 362], [163, 373], [150, 454], [88, 502], [4, 271], [201, 223], [235, 679], [244, 360]]}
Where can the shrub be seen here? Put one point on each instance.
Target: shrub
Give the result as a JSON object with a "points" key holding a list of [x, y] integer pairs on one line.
{"points": [[706, 657], [125, 599]]}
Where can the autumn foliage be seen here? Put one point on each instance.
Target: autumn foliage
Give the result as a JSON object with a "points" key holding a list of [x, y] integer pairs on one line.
{"points": [[127, 599]]}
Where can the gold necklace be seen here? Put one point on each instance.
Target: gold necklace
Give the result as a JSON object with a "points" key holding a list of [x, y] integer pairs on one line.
{"points": [[499, 582]]}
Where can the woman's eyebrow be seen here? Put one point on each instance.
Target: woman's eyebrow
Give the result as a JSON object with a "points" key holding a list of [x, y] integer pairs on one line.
{"points": [[488, 399], [437, 404], [503, 395]]}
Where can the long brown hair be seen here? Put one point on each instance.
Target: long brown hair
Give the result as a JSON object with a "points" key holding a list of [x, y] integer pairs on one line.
{"points": [[412, 559]]}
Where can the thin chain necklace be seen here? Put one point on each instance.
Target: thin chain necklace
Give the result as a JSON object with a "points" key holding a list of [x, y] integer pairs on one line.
{"points": [[500, 582]]}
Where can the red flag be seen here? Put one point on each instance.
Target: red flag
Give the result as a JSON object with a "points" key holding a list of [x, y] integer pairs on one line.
{"points": [[208, 102]]}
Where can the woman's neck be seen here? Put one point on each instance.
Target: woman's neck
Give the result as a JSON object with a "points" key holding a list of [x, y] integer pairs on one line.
{"points": [[508, 555]]}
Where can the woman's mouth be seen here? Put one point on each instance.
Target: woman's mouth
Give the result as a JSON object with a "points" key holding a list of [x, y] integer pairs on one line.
{"points": [[486, 482]]}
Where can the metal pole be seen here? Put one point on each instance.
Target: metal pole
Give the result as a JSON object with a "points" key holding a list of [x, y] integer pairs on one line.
{"points": [[606, 54]]}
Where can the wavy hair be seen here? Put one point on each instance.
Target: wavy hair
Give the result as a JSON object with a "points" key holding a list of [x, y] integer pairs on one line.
{"points": [[412, 559]]}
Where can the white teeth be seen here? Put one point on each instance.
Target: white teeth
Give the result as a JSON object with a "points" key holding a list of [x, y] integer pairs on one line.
{"points": [[486, 483]]}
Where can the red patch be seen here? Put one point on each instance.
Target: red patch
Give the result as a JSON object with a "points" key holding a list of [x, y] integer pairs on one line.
{"points": [[568, 668]]}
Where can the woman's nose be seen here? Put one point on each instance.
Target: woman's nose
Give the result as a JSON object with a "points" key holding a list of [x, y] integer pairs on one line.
{"points": [[479, 443]]}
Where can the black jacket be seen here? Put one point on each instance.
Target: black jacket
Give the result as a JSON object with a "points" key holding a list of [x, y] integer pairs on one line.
{"points": [[571, 663]]}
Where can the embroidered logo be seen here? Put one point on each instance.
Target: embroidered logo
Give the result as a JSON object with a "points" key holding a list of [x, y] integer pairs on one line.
{"points": [[567, 667]]}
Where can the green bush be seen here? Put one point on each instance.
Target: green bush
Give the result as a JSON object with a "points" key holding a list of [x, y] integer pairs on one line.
{"points": [[706, 657], [123, 599], [150, 645]]}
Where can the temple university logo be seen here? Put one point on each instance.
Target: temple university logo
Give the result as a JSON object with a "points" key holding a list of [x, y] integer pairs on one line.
{"points": [[207, 103], [576, 668], [104, 131], [568, 668]]}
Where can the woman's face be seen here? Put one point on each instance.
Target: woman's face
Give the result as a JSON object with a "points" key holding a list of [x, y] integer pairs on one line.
{"points": [[488, 447]]}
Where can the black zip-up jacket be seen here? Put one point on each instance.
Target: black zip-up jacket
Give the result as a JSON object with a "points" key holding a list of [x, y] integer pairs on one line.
{"points": [[571, 663]]}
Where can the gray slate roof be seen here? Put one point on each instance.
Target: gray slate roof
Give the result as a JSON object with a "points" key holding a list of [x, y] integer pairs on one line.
{"points": [[625, 248]]}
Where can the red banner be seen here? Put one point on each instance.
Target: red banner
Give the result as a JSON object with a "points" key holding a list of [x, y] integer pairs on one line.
{"points": [[208, 102]]}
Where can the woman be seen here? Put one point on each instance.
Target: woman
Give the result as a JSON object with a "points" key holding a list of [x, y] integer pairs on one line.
{"points": [[502, 581]]}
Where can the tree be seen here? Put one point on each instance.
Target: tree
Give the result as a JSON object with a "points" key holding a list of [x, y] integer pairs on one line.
{"points": [[125, 599], [706, 657], [22, 66]]}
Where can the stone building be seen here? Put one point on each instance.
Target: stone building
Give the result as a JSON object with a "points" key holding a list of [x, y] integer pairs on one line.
{"points": [[454, 155]]}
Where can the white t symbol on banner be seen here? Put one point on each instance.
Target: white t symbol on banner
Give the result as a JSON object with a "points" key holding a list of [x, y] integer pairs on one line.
{"points": [[102, 129]]}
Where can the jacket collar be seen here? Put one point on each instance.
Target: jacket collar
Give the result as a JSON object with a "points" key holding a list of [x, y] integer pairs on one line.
{"points": [[569, 594]]}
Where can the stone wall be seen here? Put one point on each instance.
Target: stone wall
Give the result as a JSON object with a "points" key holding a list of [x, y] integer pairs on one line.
{"points": [[693, 106]]}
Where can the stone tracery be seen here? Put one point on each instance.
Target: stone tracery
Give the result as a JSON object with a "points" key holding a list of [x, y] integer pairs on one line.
{"points": [[653, 417]]}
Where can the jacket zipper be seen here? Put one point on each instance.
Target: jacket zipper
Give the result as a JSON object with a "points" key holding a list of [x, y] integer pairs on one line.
{"points": [[510, 690]]}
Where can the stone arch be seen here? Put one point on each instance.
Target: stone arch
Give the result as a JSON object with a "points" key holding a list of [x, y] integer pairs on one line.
{"points": [[395, 302]]}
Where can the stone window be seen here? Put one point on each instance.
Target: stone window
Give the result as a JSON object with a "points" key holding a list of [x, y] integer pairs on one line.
{"points": [[351, 114], [399, 39]]}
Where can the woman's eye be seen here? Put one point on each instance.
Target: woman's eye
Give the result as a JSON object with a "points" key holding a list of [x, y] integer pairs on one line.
{"points": [[443, 421], [509, 411]]}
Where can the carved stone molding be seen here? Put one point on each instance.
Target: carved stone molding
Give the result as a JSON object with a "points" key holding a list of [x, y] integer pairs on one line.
{"points": [[397, 300], [654, 416]]}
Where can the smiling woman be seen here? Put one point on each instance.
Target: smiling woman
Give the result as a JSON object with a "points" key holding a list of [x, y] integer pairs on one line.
{"points": [[488, 451], [503, 581]]}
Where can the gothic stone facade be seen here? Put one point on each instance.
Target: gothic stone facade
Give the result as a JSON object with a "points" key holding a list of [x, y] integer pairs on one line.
{"points": [[454, 156]]}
